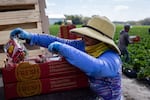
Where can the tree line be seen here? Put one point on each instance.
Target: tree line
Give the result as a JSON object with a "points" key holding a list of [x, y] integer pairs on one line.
{"points": [[145, 21], [79, 19]]}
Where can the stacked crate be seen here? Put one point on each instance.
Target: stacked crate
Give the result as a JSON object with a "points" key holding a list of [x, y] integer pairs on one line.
{"points": [[26, 14], [65, 32], [28, 79]]}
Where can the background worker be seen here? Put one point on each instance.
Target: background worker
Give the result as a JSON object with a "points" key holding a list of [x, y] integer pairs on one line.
{"points": [[123, 42], [95, 54]]}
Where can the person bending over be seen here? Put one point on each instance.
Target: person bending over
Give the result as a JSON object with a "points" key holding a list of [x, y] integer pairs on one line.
{"points": [[95, 54]]}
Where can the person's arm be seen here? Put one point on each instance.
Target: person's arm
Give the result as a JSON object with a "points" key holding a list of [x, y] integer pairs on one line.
{"points": [[44, 40], [107, 65]]}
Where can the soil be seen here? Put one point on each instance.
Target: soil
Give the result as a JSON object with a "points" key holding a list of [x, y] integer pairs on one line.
{"points": [[135, 90]]}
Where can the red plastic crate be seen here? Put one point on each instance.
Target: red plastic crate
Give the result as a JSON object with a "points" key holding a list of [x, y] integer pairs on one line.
{"points": [[135, 39], [64, 32], [26, 71], [46, 85]]}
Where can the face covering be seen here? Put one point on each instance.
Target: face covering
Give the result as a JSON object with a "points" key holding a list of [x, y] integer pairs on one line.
{"points": [[96, 50]]}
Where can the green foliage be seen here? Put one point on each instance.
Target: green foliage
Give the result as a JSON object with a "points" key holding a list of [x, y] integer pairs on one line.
{"points": [[79, 19], [54, 29], [118, 29], [58, 23], [144, 73], [76, 19]]}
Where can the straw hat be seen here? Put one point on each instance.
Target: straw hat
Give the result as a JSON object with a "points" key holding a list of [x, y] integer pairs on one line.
{"points": [[100, 28]]}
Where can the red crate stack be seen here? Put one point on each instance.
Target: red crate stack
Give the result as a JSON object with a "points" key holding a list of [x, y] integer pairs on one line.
{"points": [[28, 79], [44, 85], [65, 32]]}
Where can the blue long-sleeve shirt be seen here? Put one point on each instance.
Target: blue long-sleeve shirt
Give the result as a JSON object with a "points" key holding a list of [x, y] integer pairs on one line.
{"points": [[106, 65], [104, 71]]}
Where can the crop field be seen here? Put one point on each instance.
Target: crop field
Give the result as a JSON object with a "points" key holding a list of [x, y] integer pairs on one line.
{"points": [[139, 64]]}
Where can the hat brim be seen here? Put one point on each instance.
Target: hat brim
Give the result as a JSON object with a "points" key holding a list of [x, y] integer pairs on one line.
{"points": [[96, 35]]}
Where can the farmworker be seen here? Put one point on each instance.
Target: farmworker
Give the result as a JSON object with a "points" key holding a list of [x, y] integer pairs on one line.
{"points": [[96, 54], [123, 42]]}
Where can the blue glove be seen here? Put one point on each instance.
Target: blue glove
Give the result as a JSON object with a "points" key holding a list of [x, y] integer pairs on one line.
{"points": [[54, 47], [21, 34]]}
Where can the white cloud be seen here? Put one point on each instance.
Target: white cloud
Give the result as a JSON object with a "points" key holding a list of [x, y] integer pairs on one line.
{"points": [[121, 8], [123, 0], [83, 1], [56, 16], [50, 3], [90, 0], [84, 7]]}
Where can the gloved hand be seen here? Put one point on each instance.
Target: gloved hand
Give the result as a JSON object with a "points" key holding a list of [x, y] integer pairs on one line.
{"points": [[54, 47], [21, 34]]}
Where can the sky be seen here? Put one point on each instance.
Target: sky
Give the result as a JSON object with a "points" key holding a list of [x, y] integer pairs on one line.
{"points": [[115, 10]]}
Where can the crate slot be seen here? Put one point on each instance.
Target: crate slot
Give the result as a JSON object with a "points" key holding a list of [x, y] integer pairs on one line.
{"points": [[17, 7], [22, 25]]}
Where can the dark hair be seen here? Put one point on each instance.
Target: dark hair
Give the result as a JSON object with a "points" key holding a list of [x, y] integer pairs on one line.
{"points": [[127, 26]]}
